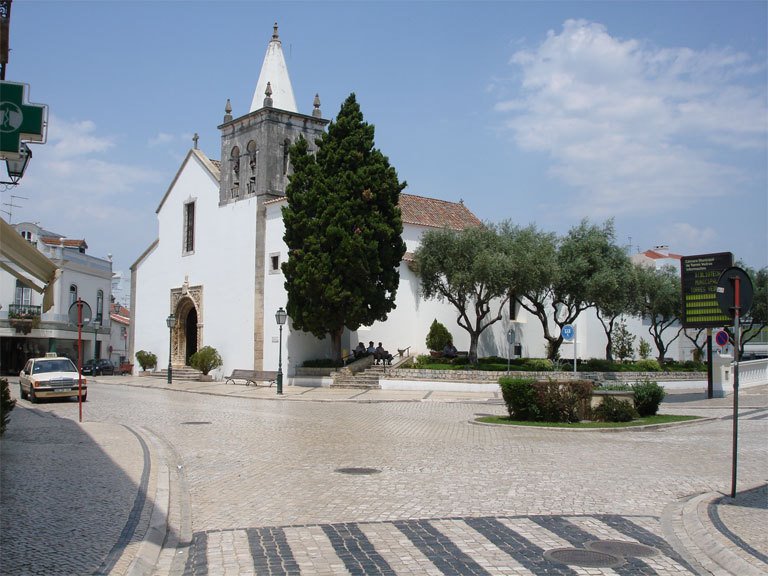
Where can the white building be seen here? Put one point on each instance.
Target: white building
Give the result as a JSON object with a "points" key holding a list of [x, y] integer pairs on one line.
{"points": [[28, 328], [215, 265]]}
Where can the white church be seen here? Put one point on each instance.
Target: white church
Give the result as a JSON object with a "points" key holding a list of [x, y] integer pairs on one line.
{"points": [[216, 264]]}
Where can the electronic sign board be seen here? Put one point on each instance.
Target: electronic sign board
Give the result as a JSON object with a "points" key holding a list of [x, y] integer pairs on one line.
{"points": [[699, 276]]}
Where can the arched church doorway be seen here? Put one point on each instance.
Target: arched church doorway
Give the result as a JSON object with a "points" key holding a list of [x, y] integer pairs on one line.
{"points": [[190, 334]]}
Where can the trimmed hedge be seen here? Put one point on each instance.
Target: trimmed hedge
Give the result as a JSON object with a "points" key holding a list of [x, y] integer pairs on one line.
{"points": [[614, 410], [528, 399], [648, 396]]}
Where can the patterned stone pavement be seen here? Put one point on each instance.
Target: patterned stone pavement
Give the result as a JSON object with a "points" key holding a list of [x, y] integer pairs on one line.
{"points": [[259, 485]]}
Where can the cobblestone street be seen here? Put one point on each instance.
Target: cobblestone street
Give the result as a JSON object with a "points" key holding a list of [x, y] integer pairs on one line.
{"points": [[280, 486]]}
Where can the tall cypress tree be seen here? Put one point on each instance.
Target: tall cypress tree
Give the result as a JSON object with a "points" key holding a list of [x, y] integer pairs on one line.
{"points": [[343, 230]]}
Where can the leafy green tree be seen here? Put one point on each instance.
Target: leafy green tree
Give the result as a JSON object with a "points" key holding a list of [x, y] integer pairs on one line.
{"points": [[563, 277], [660, 303], [438, 336], [472, 270], [343, 230], [643, 349], [623, 342], [614, 292], [700, 346]]}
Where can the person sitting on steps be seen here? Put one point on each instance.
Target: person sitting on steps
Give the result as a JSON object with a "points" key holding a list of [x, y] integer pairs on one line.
{"points": [[383, 355]]}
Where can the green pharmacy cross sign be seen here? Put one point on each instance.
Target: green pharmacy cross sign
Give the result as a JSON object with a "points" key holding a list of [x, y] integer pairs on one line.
{"points": [[20, 121]]}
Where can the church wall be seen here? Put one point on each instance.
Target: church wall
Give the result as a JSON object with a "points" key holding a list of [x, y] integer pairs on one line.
{"points": [[222, 263]]}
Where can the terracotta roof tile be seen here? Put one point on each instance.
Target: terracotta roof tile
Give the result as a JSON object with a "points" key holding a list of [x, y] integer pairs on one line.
{"points": [[66, 242], [436, 213]]}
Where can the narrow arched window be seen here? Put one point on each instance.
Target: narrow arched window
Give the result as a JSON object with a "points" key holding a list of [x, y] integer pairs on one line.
{"points": [[72, 294], [100, 305]]}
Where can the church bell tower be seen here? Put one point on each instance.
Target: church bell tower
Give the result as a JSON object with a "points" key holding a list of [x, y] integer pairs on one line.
{"points": [[254, 147]]}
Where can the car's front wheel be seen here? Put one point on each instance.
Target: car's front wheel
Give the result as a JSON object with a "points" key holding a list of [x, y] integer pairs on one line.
{"points": [[32, 397], [21, 392]]}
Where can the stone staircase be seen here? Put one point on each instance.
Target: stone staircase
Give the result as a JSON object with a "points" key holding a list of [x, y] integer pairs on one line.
{"points": [[367, 379], [180, 373]]}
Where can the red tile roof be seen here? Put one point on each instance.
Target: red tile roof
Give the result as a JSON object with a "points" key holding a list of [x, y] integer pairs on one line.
{"points": [[652, 254], [65, 242], [436, 213]]}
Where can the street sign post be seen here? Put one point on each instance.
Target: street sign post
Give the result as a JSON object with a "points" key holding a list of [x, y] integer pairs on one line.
{"points": [[568, 332], [722, 338], [80, 313], [734, 296], [511, 342]]}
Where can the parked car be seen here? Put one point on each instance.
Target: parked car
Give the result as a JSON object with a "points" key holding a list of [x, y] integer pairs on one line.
{"points": [[50, 377], [103, 367]]}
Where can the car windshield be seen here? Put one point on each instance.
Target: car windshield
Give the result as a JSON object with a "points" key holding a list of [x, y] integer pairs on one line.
{"points": [[57, 365]]}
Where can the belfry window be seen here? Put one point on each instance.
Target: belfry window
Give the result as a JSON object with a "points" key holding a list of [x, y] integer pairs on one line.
{"points": [[253, 157], [286, 145], [235, 161], [72, 294]]}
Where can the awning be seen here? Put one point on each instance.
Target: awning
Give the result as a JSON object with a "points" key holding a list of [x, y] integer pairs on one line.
{"points": [[27, 264]]}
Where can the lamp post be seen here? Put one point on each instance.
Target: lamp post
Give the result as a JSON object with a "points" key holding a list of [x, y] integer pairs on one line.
{"points": [[171, 322], [281, 316]]}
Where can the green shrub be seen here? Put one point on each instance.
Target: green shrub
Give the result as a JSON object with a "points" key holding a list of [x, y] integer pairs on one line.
{"points": [[598, 365], [563, 401], [520, 397], [619, 387], [648, 396], [6, 404], [613, 410], [647, 365], [694, 366], [644, 349], [206, 359], [146, 359], [539, 365], [527, 399], [438, 336]]}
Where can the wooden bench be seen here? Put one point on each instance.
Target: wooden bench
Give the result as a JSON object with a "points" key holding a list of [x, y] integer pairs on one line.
{"points": [[252, 376]]}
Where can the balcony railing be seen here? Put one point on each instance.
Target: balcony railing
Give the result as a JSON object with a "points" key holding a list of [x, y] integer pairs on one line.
{"points": [[23, 311]]}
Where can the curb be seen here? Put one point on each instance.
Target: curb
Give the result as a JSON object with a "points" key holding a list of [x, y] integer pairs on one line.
{"points": [[689, 531]]}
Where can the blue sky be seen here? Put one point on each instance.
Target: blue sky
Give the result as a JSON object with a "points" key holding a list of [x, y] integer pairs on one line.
{"points": [[653, 113]]}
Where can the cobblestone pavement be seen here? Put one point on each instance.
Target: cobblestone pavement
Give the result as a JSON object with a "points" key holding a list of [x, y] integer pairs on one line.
{"points": [[260, 485]]}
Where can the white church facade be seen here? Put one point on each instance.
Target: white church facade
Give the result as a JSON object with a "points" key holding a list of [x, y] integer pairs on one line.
{"points": [[216, 264]]}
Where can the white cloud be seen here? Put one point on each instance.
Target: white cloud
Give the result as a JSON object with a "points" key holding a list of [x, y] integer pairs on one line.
{"points": [[689, 239], [632, 126]]}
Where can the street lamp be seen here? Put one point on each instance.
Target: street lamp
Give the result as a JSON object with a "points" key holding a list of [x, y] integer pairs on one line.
{"points": [[16, 167], [281, 316], [171, 322]]}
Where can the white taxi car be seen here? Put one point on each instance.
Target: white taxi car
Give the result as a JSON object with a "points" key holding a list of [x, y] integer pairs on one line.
{"points": [[50, 377]]}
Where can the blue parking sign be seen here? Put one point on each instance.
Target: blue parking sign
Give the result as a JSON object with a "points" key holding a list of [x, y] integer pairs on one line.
{"points": [[568, 332]]}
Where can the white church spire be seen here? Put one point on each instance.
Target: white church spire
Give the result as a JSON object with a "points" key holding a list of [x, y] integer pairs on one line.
{"points": [[275, 72]]}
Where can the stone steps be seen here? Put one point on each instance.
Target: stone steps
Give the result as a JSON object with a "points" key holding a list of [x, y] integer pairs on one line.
{"points": [[180, 373]]}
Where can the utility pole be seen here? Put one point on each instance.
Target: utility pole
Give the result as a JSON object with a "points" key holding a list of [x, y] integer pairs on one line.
{"points": [[5, 29]]}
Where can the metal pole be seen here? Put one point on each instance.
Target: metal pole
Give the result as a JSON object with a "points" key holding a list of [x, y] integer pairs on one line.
{"points": [[736, 348], [80, 357], [170, 352], [280, 364], [710, 380], [95, 335]]}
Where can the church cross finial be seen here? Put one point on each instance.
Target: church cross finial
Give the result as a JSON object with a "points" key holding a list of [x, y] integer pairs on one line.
{"points": [[195, 138]]}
